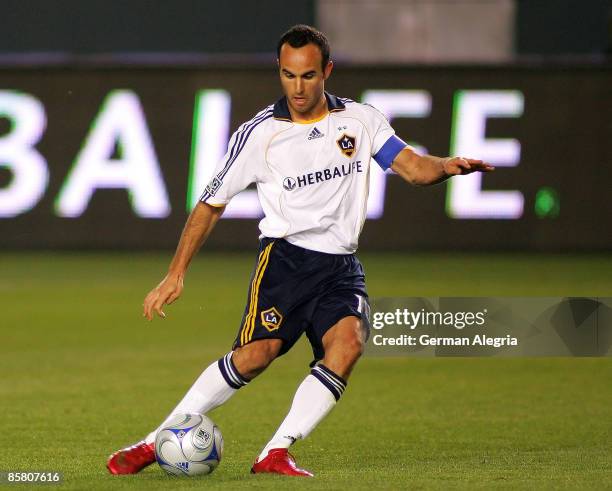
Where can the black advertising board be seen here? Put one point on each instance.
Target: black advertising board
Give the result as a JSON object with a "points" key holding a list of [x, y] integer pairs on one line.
{"points": [[113, 158]]}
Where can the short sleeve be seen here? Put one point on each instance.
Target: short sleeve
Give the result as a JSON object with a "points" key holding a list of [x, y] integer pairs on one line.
{"points": [[385, 144], [236, 170]]}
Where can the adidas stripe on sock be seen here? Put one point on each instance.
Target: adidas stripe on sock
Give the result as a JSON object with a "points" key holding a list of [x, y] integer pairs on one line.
{"points": [[229, 372], [313, 400], [329, 379]]}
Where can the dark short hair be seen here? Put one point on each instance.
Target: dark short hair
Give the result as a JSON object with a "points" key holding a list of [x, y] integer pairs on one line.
{"points": [[301, 35]]}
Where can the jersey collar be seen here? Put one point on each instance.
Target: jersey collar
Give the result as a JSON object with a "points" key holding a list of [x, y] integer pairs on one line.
{"points": [[281, 108]]}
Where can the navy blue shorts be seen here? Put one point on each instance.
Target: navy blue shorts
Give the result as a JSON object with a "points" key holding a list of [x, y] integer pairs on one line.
{"points": [[295, 290]]}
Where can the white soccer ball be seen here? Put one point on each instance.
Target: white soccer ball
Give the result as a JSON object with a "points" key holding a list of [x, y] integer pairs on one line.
{"points": [[189, 445]]}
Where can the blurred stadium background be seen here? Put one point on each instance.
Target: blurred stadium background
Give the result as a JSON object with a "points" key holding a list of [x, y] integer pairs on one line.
{"points": [[112, 115]]}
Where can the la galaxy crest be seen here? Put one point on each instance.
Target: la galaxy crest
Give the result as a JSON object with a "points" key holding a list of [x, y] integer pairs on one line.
{"points": [[347, 144], [271, 319]]}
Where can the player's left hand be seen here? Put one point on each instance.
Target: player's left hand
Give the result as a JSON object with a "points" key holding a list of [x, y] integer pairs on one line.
{"points": [[459, 166]]}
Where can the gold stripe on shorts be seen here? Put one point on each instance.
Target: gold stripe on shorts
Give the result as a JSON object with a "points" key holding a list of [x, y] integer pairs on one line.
{"points": [[261, 266]]}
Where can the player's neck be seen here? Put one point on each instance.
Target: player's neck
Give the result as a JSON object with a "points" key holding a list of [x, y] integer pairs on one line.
{"points": [[315, 114]]}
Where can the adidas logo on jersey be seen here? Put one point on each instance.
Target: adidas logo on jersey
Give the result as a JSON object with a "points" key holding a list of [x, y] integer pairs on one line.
{"points": [[315, 133]]}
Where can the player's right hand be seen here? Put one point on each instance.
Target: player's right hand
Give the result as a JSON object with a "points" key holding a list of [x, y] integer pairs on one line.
{"points": [[165, 293]]}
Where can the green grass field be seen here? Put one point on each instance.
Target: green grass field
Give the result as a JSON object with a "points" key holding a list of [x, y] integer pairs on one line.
{"points": [[83, 374]]}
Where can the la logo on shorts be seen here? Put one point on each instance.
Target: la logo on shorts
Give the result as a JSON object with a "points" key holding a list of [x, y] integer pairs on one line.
{"points": [[271, 319], [346, 144]]}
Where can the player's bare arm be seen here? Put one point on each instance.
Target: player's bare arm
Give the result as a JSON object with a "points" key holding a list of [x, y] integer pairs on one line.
{"points": [[424, 170], [198, 227]]}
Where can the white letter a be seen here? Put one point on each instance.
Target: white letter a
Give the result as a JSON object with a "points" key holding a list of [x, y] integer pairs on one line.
{"points": [[120, 123]]}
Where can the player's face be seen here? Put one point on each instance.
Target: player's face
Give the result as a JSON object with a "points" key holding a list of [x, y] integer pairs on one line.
{"points": [[303, 80]]}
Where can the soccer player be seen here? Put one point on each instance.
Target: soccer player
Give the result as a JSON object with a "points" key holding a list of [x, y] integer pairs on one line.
{"points": [[309, 155]]}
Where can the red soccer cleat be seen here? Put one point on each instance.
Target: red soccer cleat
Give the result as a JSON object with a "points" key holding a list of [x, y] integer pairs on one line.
{"points": [[279, 461], [132, 459]]}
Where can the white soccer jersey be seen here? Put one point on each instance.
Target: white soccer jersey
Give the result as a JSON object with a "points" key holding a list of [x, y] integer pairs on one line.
{"points": [[312, 178]]}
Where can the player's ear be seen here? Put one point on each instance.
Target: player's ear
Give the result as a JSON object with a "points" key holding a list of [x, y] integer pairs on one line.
{"points": [[328, 69]]}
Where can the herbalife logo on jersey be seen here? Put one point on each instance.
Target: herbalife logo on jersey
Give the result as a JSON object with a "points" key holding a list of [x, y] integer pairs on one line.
{"points": [[290, 183], [315, 133]]}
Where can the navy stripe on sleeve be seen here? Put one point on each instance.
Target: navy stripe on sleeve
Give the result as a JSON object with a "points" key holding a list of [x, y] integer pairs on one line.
{"points": [[237, 147], [239, 141]]}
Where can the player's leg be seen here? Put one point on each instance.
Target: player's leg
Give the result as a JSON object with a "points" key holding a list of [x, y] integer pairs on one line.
{"points": [[257, 343], [249, 356], [252, 359], [321, 389], [343, 345], [338, 329], [224, 377], [217, 383]]}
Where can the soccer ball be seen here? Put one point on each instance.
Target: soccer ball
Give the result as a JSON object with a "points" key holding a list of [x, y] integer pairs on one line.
{"points": [[189, 445]]}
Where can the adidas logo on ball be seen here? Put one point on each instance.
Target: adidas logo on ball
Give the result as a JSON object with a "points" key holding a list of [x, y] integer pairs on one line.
{"points": [[189, 445]]}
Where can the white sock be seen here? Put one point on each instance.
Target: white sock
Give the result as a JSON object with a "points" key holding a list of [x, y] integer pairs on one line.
{"points": [[214, 386], [313, 400]]}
